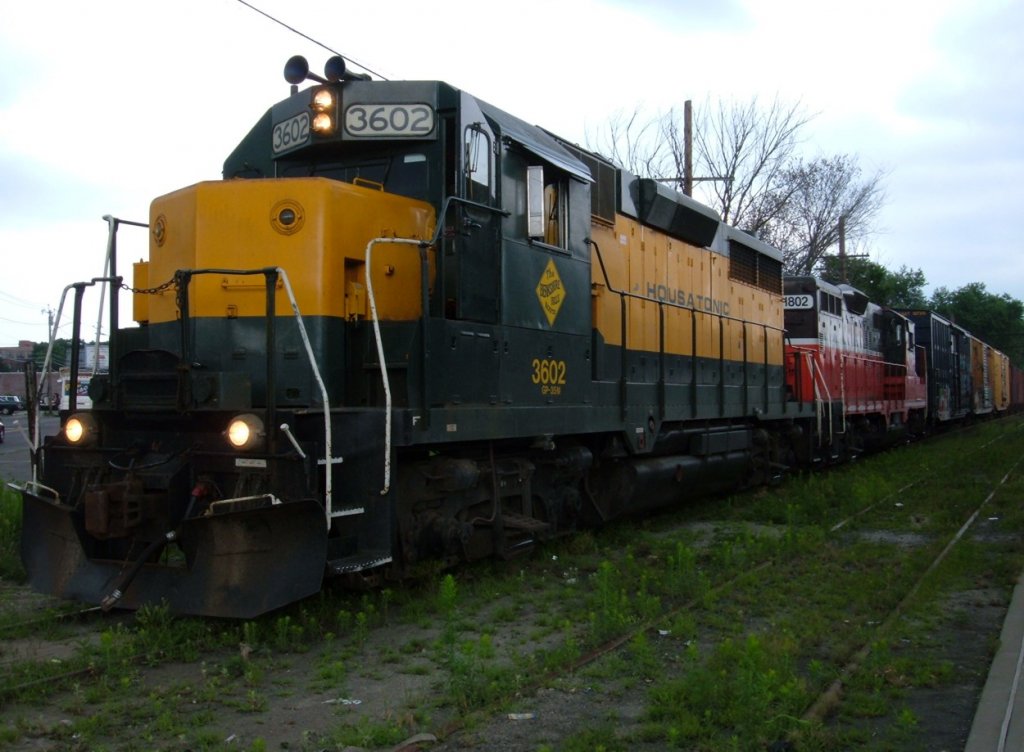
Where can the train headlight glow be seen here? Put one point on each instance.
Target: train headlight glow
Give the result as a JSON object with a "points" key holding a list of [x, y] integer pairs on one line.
{"points": [[323, 124], [245, 432], [80, 429], [323, 100]]}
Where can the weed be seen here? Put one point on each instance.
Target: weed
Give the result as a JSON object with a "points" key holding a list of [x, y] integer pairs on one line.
{"points": [[749, 688], [603, 738], [506, 614], [370, 733], [906, 719], [644, 660], [610, 606], [682, 578], [447, 598], [474, 681], [255, 702], [251, 634], [386, 597], [287, 635], [10, 534]]}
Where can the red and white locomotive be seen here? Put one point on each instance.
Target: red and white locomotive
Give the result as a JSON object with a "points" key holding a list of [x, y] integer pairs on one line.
{"points": [[879, 375]]}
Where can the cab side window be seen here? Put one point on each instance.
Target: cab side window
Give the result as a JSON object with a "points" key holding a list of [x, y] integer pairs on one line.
{"points": [[547, 201], [478, 167]]}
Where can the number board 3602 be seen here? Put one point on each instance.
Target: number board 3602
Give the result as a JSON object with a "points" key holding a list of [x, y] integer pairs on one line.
{"points": [[389, 121], [291, 133]]}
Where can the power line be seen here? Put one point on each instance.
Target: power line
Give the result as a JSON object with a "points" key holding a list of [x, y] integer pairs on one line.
{"points": [[16, 300], [314, 41]]}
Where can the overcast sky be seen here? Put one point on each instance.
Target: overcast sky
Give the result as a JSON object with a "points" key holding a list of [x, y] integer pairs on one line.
{"points": [[105, 105]]}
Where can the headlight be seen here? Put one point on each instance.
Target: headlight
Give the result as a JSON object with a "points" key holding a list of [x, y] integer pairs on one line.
{"points": [[323, 124], [245, 432], [323, 99], [80, 430]]}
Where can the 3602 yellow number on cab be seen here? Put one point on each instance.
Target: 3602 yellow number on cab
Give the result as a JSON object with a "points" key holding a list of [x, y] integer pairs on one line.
{"points": [[549, 373]]}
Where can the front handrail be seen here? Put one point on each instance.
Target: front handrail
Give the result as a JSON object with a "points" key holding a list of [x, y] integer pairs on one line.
{"points": [[76, 328], [183, 277]]}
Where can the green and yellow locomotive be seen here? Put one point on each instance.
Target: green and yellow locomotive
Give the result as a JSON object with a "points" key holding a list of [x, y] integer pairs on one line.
{"points": [[405, 326]]}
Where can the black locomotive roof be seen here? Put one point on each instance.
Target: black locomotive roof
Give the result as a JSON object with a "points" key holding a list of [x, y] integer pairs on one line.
{"points": [[535, 140]]}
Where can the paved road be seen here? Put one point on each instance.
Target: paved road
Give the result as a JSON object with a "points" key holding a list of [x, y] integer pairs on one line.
{"points": [[14, 457]]}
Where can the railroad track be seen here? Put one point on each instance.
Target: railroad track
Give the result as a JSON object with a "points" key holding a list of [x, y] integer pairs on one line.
{"points": [[40, 622], [830, 696], [726, 586], [43, 625]]}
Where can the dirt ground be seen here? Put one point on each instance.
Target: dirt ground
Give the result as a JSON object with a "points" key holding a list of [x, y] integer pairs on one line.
{"points": [[277, 700]]}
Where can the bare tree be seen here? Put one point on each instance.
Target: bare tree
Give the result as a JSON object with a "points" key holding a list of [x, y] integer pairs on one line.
{"points": [[740, 153], [817, 195], [747, 168], [632, 142]]}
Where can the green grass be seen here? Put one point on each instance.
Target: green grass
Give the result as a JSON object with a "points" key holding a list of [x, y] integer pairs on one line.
{"points": [[10, 536], [732, 614]]}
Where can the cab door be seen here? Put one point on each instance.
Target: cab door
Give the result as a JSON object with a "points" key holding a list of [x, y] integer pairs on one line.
{"points": [[477, 245], [469, 346]]}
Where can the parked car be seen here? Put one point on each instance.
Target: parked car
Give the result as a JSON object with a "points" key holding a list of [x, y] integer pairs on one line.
{"points": [[9, 403]]}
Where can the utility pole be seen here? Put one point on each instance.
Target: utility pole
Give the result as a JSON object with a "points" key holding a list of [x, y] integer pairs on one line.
{"points": [[688, 147], [49, 322], [843, 275], [687, 179], [842, 248]]}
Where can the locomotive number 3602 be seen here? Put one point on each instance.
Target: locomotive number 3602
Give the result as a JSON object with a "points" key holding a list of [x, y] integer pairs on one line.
{"points": [[548, 371], [292, 132], [389, 120]]}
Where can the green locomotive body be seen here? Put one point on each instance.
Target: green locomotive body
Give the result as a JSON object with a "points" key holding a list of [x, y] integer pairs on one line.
{"points": [[406, 326]]}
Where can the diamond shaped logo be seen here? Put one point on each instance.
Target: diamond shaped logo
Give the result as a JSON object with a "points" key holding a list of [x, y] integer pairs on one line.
{"points": [[550, 292]]}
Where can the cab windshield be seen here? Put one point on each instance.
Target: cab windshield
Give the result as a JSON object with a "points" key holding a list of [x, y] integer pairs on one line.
{"points": [[403, 171]]}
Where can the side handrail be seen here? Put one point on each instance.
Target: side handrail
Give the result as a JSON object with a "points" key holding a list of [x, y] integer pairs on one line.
{"points": [[720, 317], [820, 386], [422, 245], [669, 303]]}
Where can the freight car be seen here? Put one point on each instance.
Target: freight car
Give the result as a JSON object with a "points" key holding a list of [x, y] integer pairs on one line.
{"points": [[967, 377], [1016, 388], [406, 326], [998, 376], [948, 353]]}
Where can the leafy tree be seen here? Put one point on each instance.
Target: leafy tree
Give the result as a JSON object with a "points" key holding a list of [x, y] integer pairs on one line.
{"points": [[899, 289], [61, 353], [996, 319]]}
